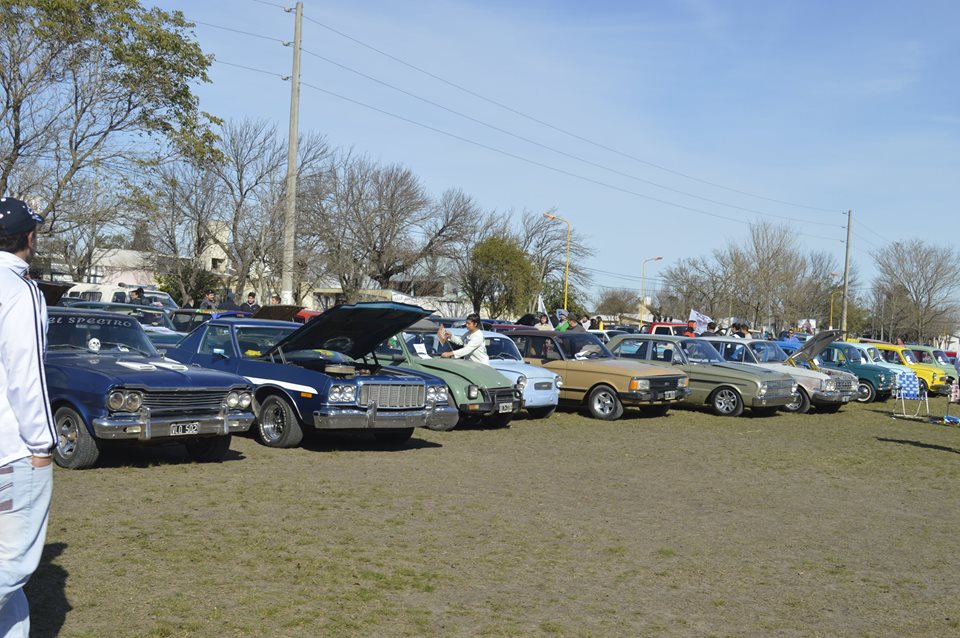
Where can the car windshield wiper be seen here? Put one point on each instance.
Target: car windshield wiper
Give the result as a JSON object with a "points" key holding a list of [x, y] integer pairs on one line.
{"points": [[125, 347], [54, 346]]}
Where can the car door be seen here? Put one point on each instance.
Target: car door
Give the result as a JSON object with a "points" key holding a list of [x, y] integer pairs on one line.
{"points": [[216, 349], [544, 351]]}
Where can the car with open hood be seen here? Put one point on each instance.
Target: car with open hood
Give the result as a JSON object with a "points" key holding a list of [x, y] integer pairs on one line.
{"points": [[541, 387], [931, 379], [480, 392], [107, 383], [322, 375], [596, 380], [875, 383], [827, 391], [726, 388]]}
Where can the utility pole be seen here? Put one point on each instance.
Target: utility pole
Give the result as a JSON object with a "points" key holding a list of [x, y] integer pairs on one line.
{"points": [[290, 217], [846, 277]]}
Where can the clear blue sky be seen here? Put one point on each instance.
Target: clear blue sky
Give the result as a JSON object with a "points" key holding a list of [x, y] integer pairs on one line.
{"points": [[824, 104]]}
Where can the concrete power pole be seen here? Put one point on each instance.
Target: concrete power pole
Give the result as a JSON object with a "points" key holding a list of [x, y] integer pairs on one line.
{"points": [[290, 217], [846, 277]]}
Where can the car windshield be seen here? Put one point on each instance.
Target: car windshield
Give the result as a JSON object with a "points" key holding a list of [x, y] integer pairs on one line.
{"points": [[767, 352], [502, 348], [97, 333], [582, 345], [255, 341], [941, 357], [422, 343], [874, 355], [853, 355], [700, 351]]}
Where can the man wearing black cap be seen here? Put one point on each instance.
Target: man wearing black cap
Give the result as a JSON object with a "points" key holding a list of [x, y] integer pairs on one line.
{"points": [[136, 297], [27, 432]]}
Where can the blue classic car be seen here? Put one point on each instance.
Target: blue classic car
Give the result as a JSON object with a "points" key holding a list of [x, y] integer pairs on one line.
{"points": [[107, 382], [315, 376], [541, 387]]}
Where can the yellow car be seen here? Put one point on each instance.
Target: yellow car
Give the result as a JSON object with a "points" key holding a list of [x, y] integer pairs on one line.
{"points": [[932, 379]]}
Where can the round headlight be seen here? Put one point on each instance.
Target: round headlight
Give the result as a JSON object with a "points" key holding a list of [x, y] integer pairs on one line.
{"points": [[432, 393], [559, 381], [521, 382], [245, 400], [336, 393], [133, 401], [116, 400], [233, 399], [442, 396], [349, 393]]}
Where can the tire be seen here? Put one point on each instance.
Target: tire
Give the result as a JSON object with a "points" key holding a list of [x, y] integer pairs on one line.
{"points": [[541, 412], [208, 449], [398, 436], [924, 388], [801, 405], [866, 393], [76, 449], [764, 412], [829, 408], [725, 401], [604, 404], [497, 421], [277, 423], [655, 410]]}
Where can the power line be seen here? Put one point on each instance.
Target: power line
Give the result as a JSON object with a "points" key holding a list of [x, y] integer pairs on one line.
{"points": [[241, 32], [560, 151], [539, 164], [250, 68], [271, 4], [557, 128]]}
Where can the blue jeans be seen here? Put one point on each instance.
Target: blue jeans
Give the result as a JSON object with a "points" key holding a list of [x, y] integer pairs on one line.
{"points": [[24, 506]]}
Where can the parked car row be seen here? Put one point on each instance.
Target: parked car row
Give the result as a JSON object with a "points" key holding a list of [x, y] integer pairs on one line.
{"points": [[375, 367]]}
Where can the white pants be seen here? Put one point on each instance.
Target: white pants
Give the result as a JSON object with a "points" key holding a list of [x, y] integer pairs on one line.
{"points": [[24, 507]]}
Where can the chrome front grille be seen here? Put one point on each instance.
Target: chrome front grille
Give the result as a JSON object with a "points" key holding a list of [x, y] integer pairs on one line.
{"points": [[844, 385], [184, 400], [779, 387], [663, 385], [502, 395], [393, 395]]}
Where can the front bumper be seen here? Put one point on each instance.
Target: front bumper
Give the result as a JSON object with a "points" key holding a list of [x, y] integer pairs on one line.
{"points": [[834, 396], [654, 397], [442, 417], [772, 401], [144, 426]]}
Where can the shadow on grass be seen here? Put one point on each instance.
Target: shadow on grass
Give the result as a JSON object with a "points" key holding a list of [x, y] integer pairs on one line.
{"points": [[920, 444], [359, 441], [47, 594], [127, 455]]}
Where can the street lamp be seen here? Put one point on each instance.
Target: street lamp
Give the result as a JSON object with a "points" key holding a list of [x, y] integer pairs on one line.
{"points": [[566, 269], [643, 281]]}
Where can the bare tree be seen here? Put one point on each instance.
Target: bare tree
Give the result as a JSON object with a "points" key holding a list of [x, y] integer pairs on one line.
{"points": [[618, 301], [545, 242]]}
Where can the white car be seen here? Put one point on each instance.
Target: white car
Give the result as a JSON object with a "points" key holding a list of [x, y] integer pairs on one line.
{"points": [[827, 392]]}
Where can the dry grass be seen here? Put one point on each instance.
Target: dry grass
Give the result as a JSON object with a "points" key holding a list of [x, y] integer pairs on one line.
{"points": [[688, 525]]}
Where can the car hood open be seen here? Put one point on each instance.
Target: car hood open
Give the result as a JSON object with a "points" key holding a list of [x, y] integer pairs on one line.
{"points": [[815, 345], [352, 329]]}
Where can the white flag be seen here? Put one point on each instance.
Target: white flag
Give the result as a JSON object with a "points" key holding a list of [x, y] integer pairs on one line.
{"points": [[701, 319]]}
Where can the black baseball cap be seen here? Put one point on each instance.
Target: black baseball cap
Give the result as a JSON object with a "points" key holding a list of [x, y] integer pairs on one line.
{"points": [[16, 218]]}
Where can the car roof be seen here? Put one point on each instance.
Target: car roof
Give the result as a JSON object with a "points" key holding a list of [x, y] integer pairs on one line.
{"points": [[249, 322], [70, 310]]}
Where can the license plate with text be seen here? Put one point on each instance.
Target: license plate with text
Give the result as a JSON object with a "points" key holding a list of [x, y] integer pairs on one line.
{"points": [[179, 429], [670, 394], [505, 407]]}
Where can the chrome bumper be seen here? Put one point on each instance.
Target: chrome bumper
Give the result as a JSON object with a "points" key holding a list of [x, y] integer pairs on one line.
{"points": [[434, 417], [145, 427], [835, 396], [772, 401], [646, 397]]}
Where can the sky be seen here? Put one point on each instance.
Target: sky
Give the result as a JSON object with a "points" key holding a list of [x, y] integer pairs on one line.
{"points": [[656, 128]]}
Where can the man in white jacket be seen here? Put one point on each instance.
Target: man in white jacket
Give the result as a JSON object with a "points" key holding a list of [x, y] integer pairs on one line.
{"points": [[473, 347], [27, 432]]}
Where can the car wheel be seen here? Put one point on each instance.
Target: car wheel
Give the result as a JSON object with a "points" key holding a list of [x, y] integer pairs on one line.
{"points": [[924, 388], [497, 420], [603, 403], [208, 449], [541, 412], [393, 437], [655, 410], [865, 392], [802, 403], [277, 424], [76, 448], [725, 401]]}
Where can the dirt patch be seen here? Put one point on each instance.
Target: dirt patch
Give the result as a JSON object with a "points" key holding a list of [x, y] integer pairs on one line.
{"points": [[690, 524]]}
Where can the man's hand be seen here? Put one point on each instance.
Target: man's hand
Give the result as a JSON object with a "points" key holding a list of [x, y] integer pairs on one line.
{"points": [[442, 334], [446, 355], [41, 461]]}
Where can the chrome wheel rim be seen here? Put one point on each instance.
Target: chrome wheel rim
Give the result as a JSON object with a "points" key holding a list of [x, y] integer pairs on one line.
{"points": [[726, 401], [864, 392], [273, 421], [67, 427], [604, 403]]}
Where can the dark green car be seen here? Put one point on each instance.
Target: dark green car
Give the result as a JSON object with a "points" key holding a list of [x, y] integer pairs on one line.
{"points": [[876, 383]]}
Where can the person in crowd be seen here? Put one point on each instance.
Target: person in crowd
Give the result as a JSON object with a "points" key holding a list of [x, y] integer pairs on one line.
{"points": [[250, 305], [274, 300], [599, 322], [472, 348], [791, 337], [574, 325], [741, 330], [229, 302], [691, 330], [564, 321], [188, 303], [137, 298], [587, 322], [543, 322], [711, 330], [28, 433], [209, 301]]}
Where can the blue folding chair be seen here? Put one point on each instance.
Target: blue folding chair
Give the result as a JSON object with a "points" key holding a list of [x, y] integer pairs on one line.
{"points": [[908, 389]]}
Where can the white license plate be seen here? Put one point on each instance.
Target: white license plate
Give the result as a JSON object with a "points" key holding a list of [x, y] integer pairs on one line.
{"points": [[670, 394], [845, 399], [179, 429], [505, 407]]}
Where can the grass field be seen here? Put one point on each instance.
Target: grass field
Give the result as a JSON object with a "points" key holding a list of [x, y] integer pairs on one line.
{"points": [[685, 525]]}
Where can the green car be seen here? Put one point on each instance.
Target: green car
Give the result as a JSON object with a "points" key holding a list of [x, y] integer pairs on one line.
{"points": [[727, 388], [481, 394], [875, 382], [934, 357]]}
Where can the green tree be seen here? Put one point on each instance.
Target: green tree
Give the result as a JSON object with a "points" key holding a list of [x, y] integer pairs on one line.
{"points": [[501, 276], [188, 281], [553, 297]]}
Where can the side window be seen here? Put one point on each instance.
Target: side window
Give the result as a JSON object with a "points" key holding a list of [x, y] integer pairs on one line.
{"points": [[217, 338], [732, 351], [829, 355], [890, 356], [661, 351], [544, 348], [119, 297], [679, 330], [630, 348], [522, 344]]}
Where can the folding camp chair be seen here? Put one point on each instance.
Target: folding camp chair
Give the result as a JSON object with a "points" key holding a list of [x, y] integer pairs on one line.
{"points": [[908, 389]]}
